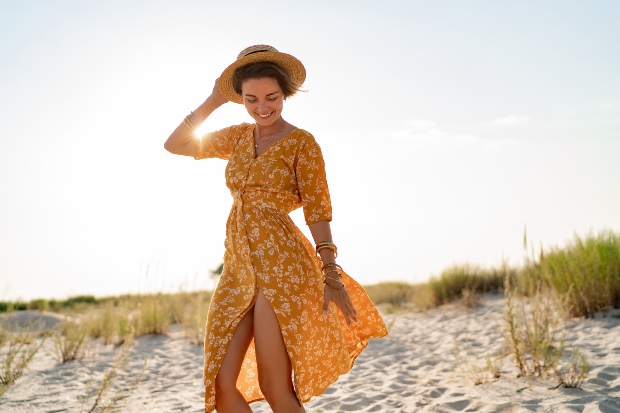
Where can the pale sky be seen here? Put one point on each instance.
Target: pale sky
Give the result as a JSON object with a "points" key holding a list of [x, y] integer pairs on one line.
{"points": [[446, 126]]}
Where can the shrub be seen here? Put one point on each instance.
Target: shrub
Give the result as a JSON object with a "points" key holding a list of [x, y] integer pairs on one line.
{"points": [[39, 304], [6, 306], [71, 302]]}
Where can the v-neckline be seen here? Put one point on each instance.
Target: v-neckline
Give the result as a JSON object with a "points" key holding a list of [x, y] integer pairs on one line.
{"points": [[256, 156]]}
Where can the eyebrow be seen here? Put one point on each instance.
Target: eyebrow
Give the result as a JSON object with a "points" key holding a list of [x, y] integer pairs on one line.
{"points": [[269, 94]]}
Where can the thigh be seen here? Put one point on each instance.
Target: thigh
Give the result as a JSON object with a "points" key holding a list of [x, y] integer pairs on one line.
{"points": [[231, 365], [274, 364]]}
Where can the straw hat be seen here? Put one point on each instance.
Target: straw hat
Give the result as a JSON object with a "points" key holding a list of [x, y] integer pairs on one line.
{"points": [[254, 54]]}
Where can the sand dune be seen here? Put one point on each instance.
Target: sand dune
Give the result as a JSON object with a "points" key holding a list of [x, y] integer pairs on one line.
{"points": [[414, 369]]}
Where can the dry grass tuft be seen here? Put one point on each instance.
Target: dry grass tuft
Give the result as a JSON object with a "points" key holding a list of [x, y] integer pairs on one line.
{"points": [[113, 325], [70, 340], [532, 328], [122, 359], [21, 347], [575, 372], [477, 369], [194, 316], [154, 315], [470, 298], [535, 326]]}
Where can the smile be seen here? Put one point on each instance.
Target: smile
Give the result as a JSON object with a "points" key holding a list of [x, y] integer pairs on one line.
{"points": [[265, 116]]}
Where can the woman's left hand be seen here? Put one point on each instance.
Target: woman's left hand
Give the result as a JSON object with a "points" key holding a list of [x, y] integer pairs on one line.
{"points": [[342, 300]]}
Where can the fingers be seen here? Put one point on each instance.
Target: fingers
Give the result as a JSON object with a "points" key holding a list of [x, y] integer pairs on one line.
{"points": [[342, 300], [326, 299]]}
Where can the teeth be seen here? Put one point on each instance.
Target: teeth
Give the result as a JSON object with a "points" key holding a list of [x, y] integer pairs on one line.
{"points": [[265, 116]]}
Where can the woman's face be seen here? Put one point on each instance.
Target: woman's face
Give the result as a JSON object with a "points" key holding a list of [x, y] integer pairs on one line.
{"points": [[263, 99]]}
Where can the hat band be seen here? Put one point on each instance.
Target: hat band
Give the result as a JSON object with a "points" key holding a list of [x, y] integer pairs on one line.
{"points": [[256, 51]]}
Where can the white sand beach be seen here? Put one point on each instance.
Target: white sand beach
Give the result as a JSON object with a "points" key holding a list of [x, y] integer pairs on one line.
{"points": [[413, 369]]}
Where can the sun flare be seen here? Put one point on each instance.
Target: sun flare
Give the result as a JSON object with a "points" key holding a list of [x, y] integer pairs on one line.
{"points": [[200, 131]]}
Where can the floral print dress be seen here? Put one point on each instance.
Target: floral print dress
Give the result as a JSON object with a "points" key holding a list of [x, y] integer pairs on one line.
{"points": [[265, 250]]}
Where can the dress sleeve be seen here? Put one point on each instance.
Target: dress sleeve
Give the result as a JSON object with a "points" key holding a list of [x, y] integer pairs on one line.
{"points": [[218, 144], [312, 183]]}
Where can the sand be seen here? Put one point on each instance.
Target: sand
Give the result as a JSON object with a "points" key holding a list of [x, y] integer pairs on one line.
{"points": [[413, 369]]}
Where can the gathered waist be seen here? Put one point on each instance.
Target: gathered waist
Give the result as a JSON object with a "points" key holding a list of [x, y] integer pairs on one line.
{"points": [[263, 199]]}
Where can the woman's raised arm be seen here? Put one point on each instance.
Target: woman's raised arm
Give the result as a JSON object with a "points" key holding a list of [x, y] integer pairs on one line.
{"points": [[182, 139]]}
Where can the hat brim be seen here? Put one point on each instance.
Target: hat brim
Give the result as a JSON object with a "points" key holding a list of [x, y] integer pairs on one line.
{"points": [[291, 64]]}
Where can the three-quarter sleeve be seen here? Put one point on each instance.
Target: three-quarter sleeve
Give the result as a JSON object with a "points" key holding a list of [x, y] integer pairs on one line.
{"points": [[312, 182], [218, 144]]}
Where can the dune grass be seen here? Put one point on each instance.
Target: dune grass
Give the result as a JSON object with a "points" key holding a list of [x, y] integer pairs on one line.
{"points": [[587, 270], [468, 279], [586, 273], [463, 282], [552, 286]]}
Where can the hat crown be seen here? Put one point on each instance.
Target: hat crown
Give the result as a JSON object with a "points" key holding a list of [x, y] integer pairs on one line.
{"points": [[255, 54], [256, 49]]}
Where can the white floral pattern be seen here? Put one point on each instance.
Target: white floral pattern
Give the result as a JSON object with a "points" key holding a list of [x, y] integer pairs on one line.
{"points": [[264, 249]]}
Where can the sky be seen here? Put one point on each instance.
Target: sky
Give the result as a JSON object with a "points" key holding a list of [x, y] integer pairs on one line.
{"points": [[448, 129]]}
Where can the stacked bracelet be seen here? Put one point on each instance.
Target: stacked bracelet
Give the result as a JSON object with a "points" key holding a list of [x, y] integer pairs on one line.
{"points": [[331, 267], [190, 121], [333, 282], [326, 244]]}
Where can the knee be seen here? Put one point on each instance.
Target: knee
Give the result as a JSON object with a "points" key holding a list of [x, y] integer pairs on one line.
{"points": [[223, 389], [274, 389]]}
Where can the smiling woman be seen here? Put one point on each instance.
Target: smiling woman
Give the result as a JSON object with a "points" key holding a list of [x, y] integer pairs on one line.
{"points": [[271, 318]]}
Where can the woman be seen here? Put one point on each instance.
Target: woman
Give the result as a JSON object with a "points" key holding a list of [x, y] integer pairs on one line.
{"points": [[271, 331]]}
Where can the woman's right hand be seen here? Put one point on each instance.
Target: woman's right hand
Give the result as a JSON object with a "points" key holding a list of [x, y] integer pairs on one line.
{"points": [[217, 96], [182, 141]]}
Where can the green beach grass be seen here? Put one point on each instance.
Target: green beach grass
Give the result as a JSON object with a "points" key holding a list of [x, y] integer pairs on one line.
{"points": [[586, 270]]}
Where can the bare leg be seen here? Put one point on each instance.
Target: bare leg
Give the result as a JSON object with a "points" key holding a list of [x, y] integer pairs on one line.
{"points": [[274, 365], [227, 398]]}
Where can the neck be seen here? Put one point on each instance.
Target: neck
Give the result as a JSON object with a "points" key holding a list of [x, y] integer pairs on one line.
{"points": [[271, 129]]}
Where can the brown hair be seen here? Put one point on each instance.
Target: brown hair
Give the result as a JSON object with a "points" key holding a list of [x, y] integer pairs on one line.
{"points": [[265, 69]]}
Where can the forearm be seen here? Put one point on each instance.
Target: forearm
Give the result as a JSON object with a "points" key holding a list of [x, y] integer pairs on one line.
{"points": [[321, 231], [181, 141]]}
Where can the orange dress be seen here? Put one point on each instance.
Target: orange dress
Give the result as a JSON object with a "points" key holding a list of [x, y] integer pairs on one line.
{"points": [[266, 250]]}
